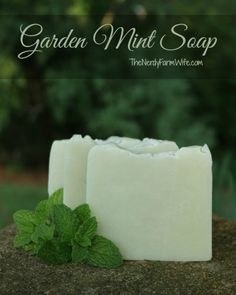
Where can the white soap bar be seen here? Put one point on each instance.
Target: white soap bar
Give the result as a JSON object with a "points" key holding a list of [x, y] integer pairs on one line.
{"points": [[75, 170], [56, 166], [155, 207]]}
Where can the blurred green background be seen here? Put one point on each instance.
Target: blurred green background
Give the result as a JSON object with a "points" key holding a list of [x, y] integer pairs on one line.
{"points": [[35, 112]]}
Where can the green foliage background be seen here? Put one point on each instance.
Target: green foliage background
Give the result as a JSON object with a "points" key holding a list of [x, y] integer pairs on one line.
{"points": [[35, 112]]}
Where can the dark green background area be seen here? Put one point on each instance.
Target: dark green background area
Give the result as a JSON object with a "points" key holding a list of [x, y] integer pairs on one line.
{"points": [[35, 112]]}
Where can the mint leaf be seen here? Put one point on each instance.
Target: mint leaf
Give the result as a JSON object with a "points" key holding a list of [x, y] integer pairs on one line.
{"points": [[87, 229], [55, 252], [86, 232], [83, 212], [66, 222], [24, 220], [44, 210], [79, 254], [43, 232], [84, 242], [22, 239], [56, 198], [103, 253]]}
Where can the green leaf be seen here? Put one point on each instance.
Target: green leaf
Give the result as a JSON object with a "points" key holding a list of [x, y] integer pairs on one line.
{"points": [[79, 254], [83, 212], [84, 242], [43, 232], [56, 198], [66, 222], [103, 253], [86, 232], [24, 220], [55, 252], [44, 210], [22, 239]]}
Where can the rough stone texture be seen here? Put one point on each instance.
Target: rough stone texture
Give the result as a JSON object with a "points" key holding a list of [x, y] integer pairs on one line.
{"points": [[23, 274]]}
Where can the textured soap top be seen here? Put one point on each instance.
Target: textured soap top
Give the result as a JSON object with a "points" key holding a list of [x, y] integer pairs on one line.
{"points": [[150, 145], [124, 142], [201, 152]]}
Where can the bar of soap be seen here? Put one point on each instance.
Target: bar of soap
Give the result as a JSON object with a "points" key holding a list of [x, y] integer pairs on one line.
{"points": [[75, 170], [56, 166], [153, 206]]}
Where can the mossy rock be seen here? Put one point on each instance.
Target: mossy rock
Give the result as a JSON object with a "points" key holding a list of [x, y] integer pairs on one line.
{"points": [[22, 274]]}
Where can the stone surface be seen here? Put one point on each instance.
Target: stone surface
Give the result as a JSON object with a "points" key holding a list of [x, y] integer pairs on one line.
{"points": [[23, 274]]}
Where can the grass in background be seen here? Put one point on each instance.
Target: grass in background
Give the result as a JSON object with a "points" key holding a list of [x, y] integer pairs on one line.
{"points": [[18, 196]]}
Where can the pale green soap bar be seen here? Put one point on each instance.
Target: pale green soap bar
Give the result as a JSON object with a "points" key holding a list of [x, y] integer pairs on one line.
{"points": [[153, 206]]}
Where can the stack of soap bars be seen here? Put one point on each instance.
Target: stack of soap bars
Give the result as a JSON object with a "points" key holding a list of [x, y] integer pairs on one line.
{"points": [[151, 198]]}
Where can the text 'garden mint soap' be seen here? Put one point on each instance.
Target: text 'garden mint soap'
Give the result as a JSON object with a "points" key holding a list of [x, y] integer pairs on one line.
{"points": [[153, 206]]}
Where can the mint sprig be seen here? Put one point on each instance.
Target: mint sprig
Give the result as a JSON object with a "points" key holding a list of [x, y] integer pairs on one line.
{"points": [[59, 235]]}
